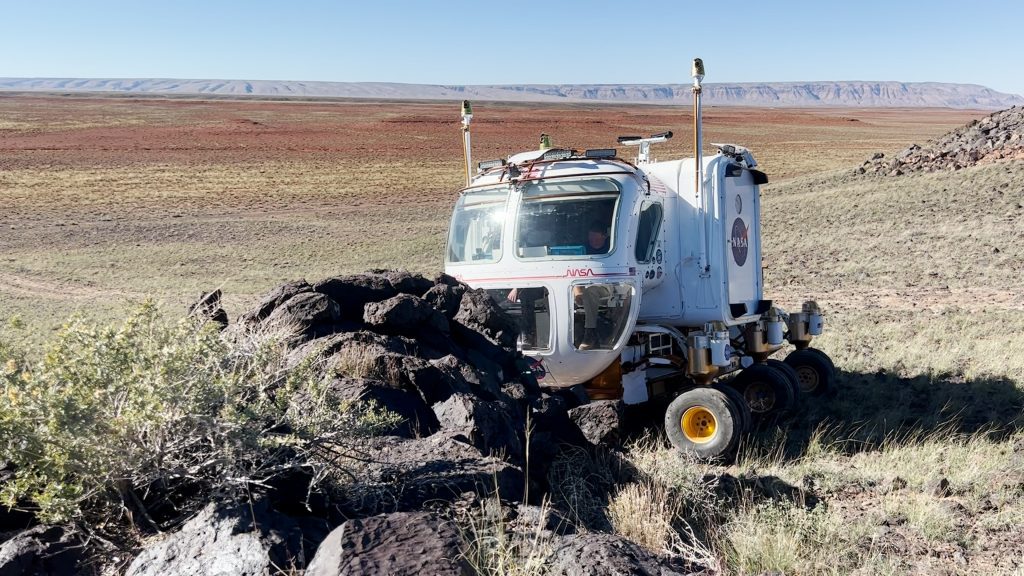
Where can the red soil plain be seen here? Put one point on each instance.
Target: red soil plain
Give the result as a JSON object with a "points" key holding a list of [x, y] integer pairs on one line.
{"points": [[104, 198]]}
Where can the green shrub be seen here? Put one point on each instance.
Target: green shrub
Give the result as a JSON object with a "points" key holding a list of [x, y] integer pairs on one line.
{"points": [[113, 416]]}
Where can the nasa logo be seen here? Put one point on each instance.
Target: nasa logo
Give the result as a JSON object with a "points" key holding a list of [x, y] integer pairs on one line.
{"points": [[579, 272], [739, 242]]}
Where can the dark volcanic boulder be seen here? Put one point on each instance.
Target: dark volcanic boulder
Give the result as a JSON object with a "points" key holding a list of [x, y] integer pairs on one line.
{"points": [[487, 334], [208, 308], [403, 543], [600, 421], [445, 298], [433, 383], [480, 313], [354, 292], [397, 474], [275, 298], [405, 282], [406, 315], [465, 377], [488, 425], [305, 316], [226, 539], [601, 554], [40, 550], [417, 418], [347, 347]]}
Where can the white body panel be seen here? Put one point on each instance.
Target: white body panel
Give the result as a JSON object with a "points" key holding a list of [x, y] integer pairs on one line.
{"points": [[691, 294], [670, 288]]}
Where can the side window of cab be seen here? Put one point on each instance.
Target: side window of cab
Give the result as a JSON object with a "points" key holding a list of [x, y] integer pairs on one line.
{"points": [[647, 230]]}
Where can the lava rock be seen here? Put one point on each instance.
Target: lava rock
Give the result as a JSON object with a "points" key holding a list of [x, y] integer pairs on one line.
{"points": [[208, 308], [405, 282], [226, 539], [480, 313], [531, 519], [600, 554], [600, 421], [894, 484], [488, 425], [996, 137], [445, 298], [275, 298], [304, 316], [418, 419], [348, 347], [418, 375], [403, 543], [466, 377], [405, 475], [40, 550], [405, 315], [354, 292]]}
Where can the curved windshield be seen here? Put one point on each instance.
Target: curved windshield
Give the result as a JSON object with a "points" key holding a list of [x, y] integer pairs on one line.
{"points": [[567, 218], [475, 234]]}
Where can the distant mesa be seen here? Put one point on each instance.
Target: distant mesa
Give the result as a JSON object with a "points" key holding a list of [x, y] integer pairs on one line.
{"points": [[782, 94]]}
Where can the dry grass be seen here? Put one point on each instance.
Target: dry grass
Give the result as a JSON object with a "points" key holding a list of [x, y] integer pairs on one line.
{"points": [[645, 512], [493, 547]]}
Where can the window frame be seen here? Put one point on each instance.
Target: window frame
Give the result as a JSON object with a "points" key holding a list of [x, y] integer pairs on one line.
{"points": [[653, 241]]}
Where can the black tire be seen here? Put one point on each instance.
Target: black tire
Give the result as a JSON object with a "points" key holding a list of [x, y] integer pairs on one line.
{"points": [[742, 410], [766, 390], [824, 357], [791, 376], [701, 422], [815, 371]]}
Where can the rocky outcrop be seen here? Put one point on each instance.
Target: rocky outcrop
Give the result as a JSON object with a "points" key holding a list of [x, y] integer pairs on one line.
{"points": [[40, 550], [399, 474], [443, 358], [997, 137], [487, 425], [600, 422], [226, 539], [598, 554], [400, 543]]}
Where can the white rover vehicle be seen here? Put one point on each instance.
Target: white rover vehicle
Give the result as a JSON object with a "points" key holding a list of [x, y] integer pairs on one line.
{"points": [[639, 280]]}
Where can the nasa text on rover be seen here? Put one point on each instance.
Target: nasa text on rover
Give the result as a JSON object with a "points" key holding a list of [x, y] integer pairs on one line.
{"points": [[640, 280]]}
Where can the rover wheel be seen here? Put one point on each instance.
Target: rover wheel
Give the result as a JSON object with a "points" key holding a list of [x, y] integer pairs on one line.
{"points": [[791, 376], [766, 390], [824, 357], [742, 410], [814, 371], [702, 422]]}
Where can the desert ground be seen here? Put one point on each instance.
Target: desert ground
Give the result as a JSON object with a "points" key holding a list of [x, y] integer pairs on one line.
{"points": [[917, 461], [106, 201]]}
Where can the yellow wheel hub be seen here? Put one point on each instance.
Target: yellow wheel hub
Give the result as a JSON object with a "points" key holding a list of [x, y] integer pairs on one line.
{"points": [[699, 424]]}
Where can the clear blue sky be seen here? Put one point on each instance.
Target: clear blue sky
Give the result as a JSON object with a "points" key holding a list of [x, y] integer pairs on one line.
{"points": [[561, 41]]}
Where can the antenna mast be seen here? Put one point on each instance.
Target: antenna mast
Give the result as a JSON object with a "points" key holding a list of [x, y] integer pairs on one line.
{"points": [[467, 116], [698, 74]]}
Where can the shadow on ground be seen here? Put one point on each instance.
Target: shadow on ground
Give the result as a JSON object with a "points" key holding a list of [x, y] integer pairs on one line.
{"points": [[869, 408]]}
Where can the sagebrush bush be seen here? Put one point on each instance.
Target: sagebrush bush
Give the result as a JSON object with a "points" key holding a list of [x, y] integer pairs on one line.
{"points": [[151, 413]]}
